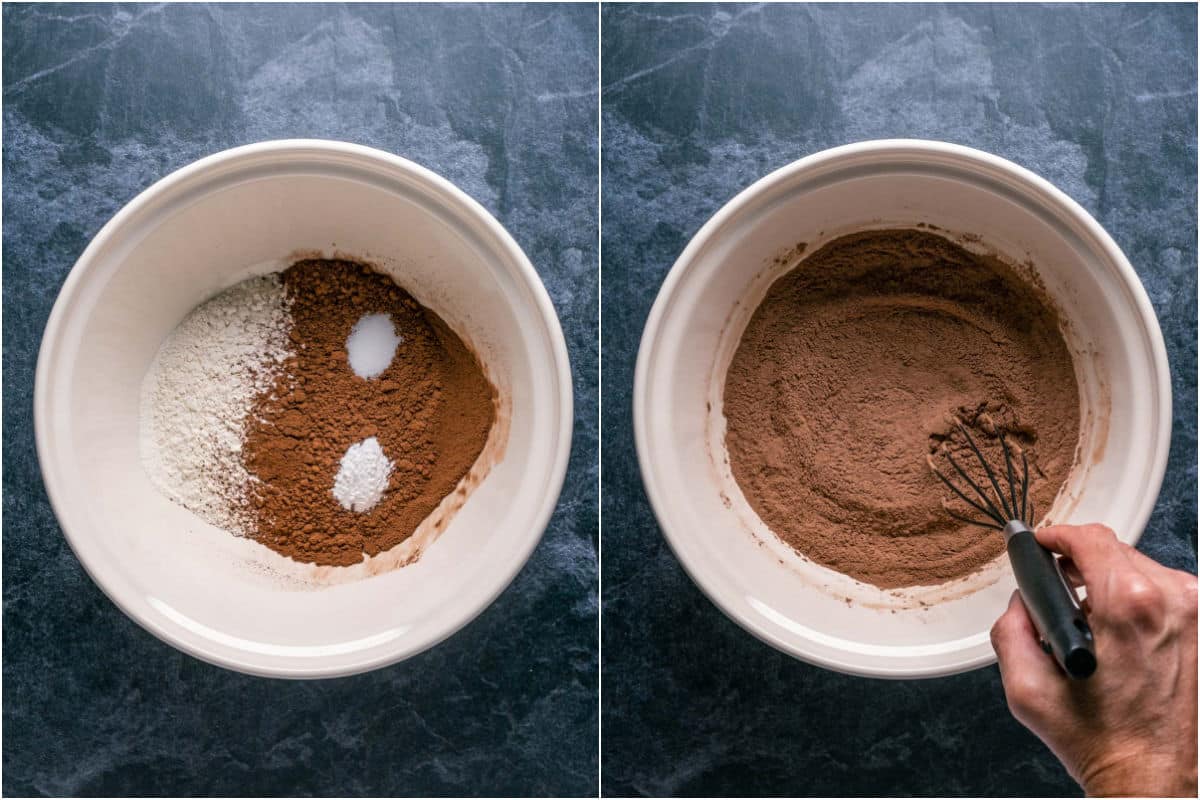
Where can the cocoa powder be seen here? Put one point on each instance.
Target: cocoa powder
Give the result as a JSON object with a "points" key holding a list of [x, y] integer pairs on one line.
{"points": [[848, 377], [430, 410]]}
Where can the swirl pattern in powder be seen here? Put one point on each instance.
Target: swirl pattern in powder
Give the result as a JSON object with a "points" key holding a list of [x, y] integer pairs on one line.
{"points": [[849, 375]]}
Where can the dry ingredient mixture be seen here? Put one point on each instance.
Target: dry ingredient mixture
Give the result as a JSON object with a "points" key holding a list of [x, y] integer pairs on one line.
{"points": [[321, 411], [848, 378]]}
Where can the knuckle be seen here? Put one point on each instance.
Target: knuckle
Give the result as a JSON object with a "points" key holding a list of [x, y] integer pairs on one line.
{"points": [[1022, 691], [1140, 598], [1001, 630], [997, 636]]}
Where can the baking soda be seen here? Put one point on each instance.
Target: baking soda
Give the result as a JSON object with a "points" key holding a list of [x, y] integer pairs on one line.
{"points": [[362, 477], [371, 345]]}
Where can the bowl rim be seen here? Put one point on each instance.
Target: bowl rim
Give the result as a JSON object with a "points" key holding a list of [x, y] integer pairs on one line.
{"points": [[977, 161], [231, 161]]}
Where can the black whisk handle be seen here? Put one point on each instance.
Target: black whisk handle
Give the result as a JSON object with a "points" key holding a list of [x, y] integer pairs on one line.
{"points": [[1051, 602]]}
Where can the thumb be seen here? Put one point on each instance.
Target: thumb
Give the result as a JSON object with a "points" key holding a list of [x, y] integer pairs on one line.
{"points": [[1028, 672]]}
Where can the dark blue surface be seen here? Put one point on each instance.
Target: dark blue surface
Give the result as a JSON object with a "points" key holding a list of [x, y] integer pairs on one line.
{"points": [[700, 101], [99, 102]]}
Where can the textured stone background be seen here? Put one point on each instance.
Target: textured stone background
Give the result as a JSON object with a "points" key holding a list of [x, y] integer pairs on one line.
{"points": [[102, 100], [700, 101]]}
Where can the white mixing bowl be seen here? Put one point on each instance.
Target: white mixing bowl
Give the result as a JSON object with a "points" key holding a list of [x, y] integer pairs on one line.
{"points": [[230, 601], [705, 303]]}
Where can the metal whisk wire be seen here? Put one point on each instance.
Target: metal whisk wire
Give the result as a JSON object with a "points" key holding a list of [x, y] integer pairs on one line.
{"points": [[1016, 506], [1049, 599]]}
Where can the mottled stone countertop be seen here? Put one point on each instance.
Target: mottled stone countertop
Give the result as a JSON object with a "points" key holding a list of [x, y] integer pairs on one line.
{"points": [[700, 101], [102, 100]]}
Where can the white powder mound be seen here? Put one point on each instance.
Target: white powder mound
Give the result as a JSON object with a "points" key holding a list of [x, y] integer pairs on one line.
{"points": [[371, 345], [362, 476], [198, 391]]}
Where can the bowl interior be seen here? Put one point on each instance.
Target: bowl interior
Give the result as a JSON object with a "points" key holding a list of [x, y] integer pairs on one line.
{"points": [[795, 604], [230, 600]]}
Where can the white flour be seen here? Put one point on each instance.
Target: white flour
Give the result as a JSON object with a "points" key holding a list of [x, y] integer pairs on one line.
{"points": [[196, 395]]}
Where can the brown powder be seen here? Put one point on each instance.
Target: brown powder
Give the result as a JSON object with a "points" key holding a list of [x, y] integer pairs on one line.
{"points": [[430, 410], [848, 376]]}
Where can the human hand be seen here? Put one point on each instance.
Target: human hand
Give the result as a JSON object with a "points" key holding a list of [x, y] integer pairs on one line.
{"points": [[1130, 729]]}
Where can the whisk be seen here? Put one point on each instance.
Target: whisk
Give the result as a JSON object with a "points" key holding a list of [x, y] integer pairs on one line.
{"points": [[1051, 602]]}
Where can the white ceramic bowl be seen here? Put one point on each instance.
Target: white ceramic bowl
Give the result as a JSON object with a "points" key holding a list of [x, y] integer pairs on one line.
{"points": [[789, 602], [230, 601]]}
